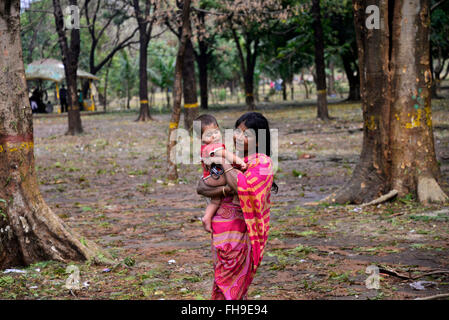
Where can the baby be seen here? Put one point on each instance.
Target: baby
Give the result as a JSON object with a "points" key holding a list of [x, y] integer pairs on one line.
{"points": [[212, 146]]}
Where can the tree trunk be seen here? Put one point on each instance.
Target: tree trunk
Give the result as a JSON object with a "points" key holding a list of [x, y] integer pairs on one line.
{"points": [[292, 90], [304, 82], [247, 66], [331, 78], [189, 87], [70, 60], [320, 79], [284, 90], [105, 96], [29, 230], [144, 39], [172, 170], [203, 61], [398, 149], [167, 94], [413, 162], [128, 95], [353, 80]]}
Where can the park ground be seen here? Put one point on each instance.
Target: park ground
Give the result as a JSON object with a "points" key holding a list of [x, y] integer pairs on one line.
{"points": [[109, 185]]}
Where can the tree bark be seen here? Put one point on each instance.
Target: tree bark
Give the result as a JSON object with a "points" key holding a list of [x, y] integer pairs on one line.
{"points": [[320, 79], [398, 147], [189, 86], [70, 60], [29, 230], [413, 162]]}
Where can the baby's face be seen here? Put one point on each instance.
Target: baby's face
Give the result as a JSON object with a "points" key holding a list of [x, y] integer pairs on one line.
{"points": [[211, 134]]}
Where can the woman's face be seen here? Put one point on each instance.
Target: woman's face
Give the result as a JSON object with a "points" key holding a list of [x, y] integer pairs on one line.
{"points": [[245, 140]]}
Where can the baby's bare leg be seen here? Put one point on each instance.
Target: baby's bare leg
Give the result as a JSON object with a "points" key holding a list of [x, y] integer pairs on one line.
{"points": [[211, 208]]}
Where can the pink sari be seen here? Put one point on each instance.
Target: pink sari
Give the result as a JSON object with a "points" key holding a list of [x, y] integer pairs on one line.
{"points": [[240, 232]]}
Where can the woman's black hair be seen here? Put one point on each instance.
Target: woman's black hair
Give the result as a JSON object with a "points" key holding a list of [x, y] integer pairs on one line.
{"points": [[256, 121]]}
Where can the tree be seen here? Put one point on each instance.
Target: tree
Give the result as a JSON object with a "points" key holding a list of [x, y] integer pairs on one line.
{"points": [[162, 70], [38, 39], [70, 55], [439, 44], [320, 78], [205, 39], [204, 34], [29, 230], [124, 77], [248, 22], [188, 70], [146, 16], [172, 171], [398, 147], [340, 18], [112, 13]]}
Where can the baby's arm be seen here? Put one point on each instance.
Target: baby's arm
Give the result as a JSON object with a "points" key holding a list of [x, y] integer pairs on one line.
{"points": [[232, 158]]}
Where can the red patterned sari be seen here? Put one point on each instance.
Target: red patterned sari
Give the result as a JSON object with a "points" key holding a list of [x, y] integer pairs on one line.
{"points": [[240, 232]]}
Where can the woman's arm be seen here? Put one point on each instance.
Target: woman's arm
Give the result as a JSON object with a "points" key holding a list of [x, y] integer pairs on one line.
{"points": [[212, 192], [231, 176]]}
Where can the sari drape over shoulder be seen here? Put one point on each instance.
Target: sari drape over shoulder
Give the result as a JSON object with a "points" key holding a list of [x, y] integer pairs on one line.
{"points": [[254, 190]]}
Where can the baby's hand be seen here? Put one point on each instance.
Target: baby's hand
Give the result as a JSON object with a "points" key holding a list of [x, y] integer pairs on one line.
{"points": [[219, 153], [243, 166]]}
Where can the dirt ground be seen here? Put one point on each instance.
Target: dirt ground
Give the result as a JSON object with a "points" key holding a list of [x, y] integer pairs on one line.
{"points": [[109, 185]]}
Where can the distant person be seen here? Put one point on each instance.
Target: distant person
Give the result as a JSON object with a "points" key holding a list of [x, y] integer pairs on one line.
{"points": [[80, 99], [37, 105], [63, 99]]}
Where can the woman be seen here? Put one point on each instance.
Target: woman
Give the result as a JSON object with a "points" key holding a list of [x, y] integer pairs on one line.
{"points": [[240, 231]]}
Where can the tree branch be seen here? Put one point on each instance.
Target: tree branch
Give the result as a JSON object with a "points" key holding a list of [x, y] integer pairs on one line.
{"points": [[436, 5]]}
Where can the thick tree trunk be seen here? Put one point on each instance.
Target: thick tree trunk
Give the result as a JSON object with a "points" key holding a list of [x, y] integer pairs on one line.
{"points": [[29, 230], [398, 149], [189, 86], [144, 113], [414, 167], [320, 79], [70, 60]]}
